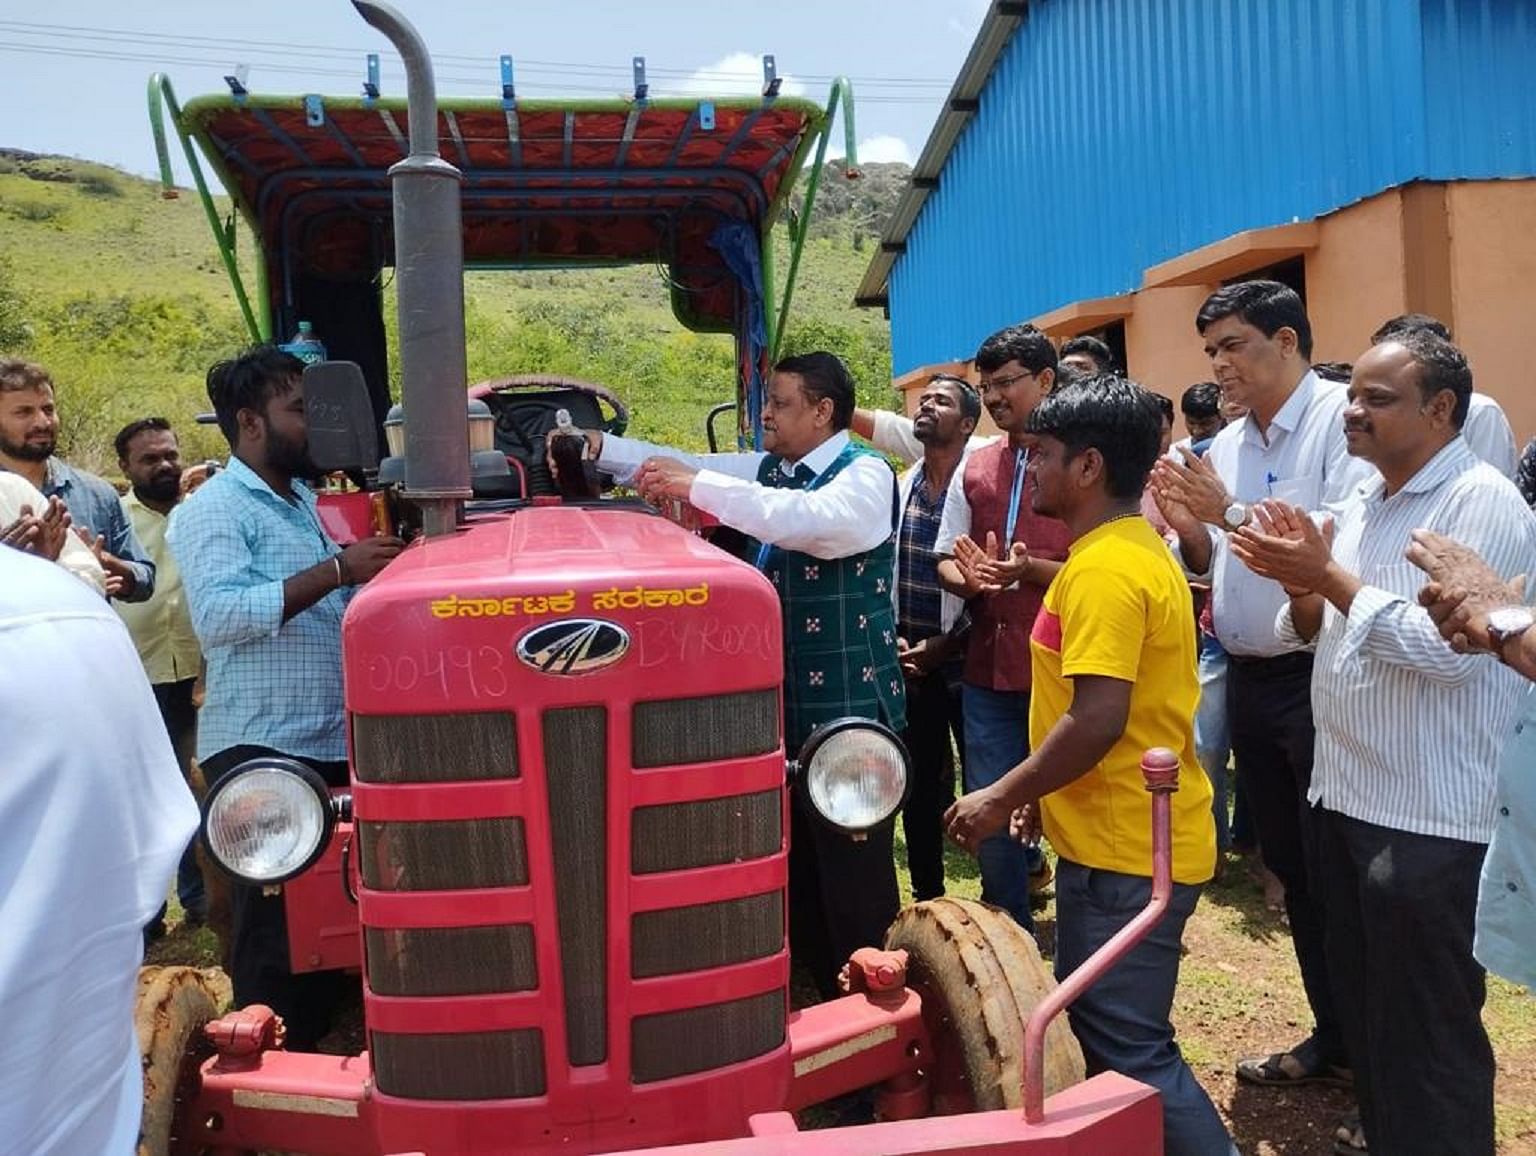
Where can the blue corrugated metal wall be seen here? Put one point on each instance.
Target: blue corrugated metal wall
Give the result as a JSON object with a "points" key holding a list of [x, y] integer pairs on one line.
{"points": [[1115, 134]]}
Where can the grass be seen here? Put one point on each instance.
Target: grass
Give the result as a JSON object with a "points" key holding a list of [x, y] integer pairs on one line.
{"points": [[121, 295]]}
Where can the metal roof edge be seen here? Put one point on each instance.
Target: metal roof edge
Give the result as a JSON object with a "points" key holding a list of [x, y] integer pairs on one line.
{"points": [[997, 28]]}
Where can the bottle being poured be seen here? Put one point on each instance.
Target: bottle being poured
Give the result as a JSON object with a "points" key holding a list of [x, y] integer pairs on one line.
{"points": [[570, 457]]}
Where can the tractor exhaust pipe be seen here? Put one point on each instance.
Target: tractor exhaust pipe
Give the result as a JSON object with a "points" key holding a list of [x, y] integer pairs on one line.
{"points": [[429, 289]]}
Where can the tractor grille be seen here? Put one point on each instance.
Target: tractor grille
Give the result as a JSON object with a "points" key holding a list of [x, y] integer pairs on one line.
{"points": [[677, 836], [443, 855], [706, 935], [459, 1065], [697, 1039], [451, 960], [442, 748], [702, 730], [576, 776]]}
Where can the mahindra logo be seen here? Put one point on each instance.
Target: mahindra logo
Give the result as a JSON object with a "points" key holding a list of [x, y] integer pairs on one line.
{"points": [[573, 646]]}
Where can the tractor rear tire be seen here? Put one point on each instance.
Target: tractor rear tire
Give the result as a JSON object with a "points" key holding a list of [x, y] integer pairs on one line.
{"points": [[980, 976], [173, 1005]]}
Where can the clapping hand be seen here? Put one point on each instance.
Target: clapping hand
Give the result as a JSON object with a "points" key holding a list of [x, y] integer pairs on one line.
{"points": [[986, 571], [1189, 491], [1283, 543]]}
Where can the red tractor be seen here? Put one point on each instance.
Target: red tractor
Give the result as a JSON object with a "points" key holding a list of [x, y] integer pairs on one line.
{"points": [[561, 865]]}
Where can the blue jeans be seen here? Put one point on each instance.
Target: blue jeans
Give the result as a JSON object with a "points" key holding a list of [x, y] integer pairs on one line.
{"points": [[1213, 734], [996, 741], [1122, 1020]]}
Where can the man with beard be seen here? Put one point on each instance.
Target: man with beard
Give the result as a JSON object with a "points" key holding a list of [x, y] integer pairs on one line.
{"points": [[999, 554], [928, 627], [29, 431], [1403, 793], [266, 587], [148, 455], [1113, 653]]}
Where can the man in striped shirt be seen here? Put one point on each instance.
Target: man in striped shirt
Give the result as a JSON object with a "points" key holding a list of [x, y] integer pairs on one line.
{"points": [[1408, 738]]}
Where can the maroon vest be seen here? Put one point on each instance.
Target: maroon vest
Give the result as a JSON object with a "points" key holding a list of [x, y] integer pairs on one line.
{"points": [[997, 654]]}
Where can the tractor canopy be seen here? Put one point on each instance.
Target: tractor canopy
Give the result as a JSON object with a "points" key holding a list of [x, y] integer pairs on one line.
{"points": [[694, 186]]}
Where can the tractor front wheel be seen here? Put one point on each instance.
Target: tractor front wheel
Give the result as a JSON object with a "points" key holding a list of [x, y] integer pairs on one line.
{"points": [[173, 1005], [980, 976]]}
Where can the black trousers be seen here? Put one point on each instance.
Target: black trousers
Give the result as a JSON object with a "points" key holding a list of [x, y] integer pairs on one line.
{"points": [[842, 893], [259, 954], [1269, 704], [1400, 910], [933, 716]]}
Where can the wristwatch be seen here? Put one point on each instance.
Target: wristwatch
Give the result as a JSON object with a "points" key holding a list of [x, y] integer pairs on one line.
{"points": [[1508, 623], [1235, 516]]}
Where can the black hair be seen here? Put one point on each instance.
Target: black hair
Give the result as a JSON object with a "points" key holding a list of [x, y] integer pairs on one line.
{"points": [[1406, 323], [249, 381], [1340, 371], [133, 429], [970, 400], [1069, 374], [1201, 401], [1025, 344], [824, 375], [1268, 306], [1164, 406], [1441, 366], [1091, 347], [1110, 414]]}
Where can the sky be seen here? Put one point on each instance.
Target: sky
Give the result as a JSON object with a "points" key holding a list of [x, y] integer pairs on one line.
{"points": [[73, 72]]}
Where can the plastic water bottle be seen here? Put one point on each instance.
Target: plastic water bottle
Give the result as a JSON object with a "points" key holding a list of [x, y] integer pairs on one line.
{"points": [[307, 347]]}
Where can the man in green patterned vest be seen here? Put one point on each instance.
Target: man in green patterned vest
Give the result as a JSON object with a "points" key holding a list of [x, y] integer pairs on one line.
{"points": [[823, 512]]}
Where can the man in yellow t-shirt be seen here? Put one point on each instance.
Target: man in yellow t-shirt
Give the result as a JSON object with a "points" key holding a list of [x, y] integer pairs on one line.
{"points": [[1113, 657]]}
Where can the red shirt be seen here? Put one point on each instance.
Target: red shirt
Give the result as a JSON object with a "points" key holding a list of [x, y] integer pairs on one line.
{"points": [[997, 655]]}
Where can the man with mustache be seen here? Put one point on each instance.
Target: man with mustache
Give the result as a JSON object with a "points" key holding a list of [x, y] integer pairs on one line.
{"points": [[1408, 742], [823, 511], [929, 623], [266, 587], [999, 554], [29, 431], [1290, 446], [150, 458]]}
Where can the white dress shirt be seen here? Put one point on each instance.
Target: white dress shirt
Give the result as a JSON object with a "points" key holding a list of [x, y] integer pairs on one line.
{"points": [[1488, 432], [852, 513], [1305, 461], [1409, 732], [94, 815]]}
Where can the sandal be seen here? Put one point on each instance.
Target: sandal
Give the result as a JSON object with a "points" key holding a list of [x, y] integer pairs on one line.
{"points": [[1349, 1136], [1287, 1069]]}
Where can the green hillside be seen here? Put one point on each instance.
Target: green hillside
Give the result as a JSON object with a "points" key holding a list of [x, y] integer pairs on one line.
{"points": [[121, 295]]}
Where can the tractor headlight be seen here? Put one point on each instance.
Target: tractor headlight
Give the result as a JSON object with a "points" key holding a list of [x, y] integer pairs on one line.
{"points": [[268, 820], [855, 773]]}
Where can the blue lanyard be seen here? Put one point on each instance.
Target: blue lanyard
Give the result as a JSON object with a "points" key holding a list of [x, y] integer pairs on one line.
{"points": [[1020, 463]]}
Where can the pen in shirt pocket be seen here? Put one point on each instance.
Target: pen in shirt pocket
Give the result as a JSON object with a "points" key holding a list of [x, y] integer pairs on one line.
{"points": [[1269, 485]]}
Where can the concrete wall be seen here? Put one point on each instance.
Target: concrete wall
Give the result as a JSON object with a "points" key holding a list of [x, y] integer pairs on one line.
{"points": [[1493, 290]]}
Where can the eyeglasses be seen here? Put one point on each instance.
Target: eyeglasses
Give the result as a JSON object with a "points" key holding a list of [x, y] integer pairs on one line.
{"points": [[1005, 382]]}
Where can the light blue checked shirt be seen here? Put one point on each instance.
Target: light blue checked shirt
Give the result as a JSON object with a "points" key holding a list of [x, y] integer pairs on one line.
{"points": [[270, 682]]}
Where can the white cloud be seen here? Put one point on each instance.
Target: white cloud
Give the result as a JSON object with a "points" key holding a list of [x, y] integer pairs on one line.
{"points": [[881, 149], [739, 74]]}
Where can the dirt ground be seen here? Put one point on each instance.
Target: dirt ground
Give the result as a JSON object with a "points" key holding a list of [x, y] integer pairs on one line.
{"points": [[1239, 994]]}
